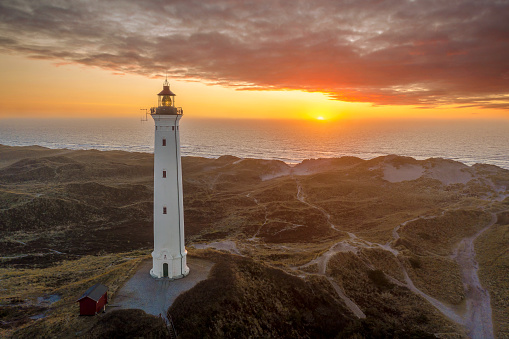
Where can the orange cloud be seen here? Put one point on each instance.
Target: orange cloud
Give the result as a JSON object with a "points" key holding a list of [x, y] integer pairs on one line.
{"points": [[392, 52]]}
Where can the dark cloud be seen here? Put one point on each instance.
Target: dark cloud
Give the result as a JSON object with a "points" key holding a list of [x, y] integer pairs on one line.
{"points": [[425, 52]]}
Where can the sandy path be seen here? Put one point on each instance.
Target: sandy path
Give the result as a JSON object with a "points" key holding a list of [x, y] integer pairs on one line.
{"points": [[302, 198], [265, 221], [476, 319], [442, 307], [349, 303], [323, 260]]}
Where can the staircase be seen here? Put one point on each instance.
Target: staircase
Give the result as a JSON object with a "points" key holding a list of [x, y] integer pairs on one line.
{"points": [[169, 325]]}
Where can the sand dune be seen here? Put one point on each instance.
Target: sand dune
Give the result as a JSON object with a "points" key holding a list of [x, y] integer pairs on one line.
{"points": [[355, 230], [403, 173], [446, 171]]}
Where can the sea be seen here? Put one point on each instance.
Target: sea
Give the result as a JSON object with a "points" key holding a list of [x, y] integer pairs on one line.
{"points": [[292, 141]]}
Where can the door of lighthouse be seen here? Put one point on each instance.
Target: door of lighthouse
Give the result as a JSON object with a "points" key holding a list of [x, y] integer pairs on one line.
{"points": [[165, 270]]}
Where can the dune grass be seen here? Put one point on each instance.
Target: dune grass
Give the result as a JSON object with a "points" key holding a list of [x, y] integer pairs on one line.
{"points": [[21, 289]]}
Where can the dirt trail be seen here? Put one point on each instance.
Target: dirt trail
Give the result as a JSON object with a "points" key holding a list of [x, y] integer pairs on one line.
{"points": [[323, 260], [476, 319], [255, 236], [349, 303], [442, 307], [302, 198]]}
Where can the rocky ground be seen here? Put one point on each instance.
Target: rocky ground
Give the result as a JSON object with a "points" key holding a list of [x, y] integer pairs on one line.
{"points": [[391, 246]]}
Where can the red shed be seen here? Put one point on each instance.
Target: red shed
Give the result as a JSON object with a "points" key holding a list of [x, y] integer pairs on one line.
{"points": [[94, 300]]}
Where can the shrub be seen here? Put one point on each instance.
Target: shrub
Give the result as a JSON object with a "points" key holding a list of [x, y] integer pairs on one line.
{"points": [[415, 262], [379, 279]]}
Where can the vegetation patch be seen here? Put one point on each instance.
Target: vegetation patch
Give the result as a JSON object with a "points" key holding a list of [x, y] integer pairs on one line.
{"points": [[29, 306], [380, 280], [69, 219], [493, 258], [130, 323], [249, 299]]}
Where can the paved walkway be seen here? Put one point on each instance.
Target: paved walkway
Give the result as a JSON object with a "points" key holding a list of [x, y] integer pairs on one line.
{"points": [[155, 296]]}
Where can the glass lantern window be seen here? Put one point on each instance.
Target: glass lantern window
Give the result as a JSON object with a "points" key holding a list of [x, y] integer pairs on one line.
{"points": [[165, 100]]}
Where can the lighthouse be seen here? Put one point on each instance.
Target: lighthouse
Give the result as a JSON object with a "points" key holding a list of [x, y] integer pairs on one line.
{"points": [[169, 255]]}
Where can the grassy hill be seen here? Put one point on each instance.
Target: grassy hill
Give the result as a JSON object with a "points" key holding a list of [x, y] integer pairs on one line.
{"points": [[305, 234]]}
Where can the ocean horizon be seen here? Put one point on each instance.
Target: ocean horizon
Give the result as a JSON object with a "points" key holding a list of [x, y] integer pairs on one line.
{"points": [[291, 141]]}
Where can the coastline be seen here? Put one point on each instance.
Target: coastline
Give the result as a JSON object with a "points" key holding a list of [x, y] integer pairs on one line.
{"points": [[289, 163], [469, 142]]}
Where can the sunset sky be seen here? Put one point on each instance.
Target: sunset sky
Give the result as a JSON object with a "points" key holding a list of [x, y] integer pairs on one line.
{"points": [[256, 59]]}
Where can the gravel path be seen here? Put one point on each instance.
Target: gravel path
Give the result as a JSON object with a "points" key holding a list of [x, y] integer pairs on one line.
{"points": [[155, 296]]}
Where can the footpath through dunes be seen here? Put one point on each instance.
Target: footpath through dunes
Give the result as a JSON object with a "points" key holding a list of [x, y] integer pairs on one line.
{"points": [[475, 313], [432, 193], [334, 233], [246, 298]]}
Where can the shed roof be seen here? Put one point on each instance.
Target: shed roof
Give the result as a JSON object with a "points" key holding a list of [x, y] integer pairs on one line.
{"points": [[95, 292]]}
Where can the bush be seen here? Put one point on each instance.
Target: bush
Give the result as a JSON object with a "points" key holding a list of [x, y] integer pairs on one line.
{"points": [[129, 323], [415, 262], [379, 279]]}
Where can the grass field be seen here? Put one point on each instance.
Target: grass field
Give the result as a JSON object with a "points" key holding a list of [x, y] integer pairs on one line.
{"points": [[69, 219]]}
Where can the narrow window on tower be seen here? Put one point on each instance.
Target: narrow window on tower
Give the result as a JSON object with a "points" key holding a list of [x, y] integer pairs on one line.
{"points": [[164, 174], [164, 142], [172, 128], [164, 210]]}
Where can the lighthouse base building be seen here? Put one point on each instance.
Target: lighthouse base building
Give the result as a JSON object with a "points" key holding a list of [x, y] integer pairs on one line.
{"points": [[169, 255]]}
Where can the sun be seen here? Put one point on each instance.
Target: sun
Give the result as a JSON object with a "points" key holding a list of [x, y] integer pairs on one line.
{"points": [[320, 118]]}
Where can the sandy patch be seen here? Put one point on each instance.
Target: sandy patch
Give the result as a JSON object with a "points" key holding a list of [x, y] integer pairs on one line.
{"points": [[402, 173], [226, 245], [449, 172], [312, 166], [446, 171], [276, 174]]}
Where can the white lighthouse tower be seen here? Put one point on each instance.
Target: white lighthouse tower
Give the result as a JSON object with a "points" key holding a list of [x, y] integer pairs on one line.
{"points": [[169, 255]]}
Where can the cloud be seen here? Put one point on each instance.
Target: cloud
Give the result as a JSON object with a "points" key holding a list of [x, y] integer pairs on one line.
{"points": [[426, 53]]}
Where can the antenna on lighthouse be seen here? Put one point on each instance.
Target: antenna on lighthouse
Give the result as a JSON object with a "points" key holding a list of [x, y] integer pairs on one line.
{"points": [[143, 119]]}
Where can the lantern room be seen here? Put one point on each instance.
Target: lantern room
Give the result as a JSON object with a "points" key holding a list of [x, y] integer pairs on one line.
{"points": [[166, 102], [166, 97]]}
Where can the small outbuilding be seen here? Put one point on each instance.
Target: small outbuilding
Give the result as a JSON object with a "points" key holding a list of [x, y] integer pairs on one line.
{"points": [[94, 300]]}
